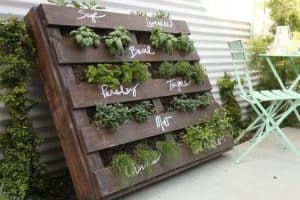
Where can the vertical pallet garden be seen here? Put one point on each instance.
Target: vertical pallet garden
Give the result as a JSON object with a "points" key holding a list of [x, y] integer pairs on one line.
{"points": [[88, 149]]}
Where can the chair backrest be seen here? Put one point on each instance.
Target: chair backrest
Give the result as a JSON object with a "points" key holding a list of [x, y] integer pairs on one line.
{"points": [[238, 54]]}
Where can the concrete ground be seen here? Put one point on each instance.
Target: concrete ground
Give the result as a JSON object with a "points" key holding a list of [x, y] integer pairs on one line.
{"points": [[268, 173]]}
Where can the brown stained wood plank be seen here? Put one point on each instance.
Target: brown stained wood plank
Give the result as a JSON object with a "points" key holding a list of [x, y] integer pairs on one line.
{"points": [[183, 161], [66, 16], [96, 140], [54, 92], [81, 96], [69, 53]]}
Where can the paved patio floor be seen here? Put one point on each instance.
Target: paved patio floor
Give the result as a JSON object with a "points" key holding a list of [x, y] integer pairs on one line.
{"points": [[268, 173]]}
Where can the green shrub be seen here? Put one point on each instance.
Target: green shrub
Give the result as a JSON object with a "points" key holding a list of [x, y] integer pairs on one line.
{"points": [[167, 149], [21, 172], [146, 156], [124, 166], [142, 111]]}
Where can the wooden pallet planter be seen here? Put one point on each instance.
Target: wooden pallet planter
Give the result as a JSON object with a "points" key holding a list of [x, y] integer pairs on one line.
{"points": [[70, 100]]}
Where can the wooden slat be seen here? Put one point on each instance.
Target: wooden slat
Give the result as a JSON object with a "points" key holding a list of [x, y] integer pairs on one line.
{"points": [[69, 53], [81, 96], [96, 140], [66, 16], [109, 181]]}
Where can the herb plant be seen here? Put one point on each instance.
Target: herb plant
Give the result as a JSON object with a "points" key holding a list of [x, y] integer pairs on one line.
{"points": [[124, 166], [194, 73], [102, 74], [142, 111], [146, 155], [186, 104], [85, 37], [167, 149], [184, 43], [204, 136], [63, 3], [112, 116], [91, 4], [115, 115], [117, 41], [160, 14], [113, 76], [161, 40]]}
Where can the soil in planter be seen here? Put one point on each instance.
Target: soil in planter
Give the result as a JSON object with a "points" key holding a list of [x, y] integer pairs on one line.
{"points": [[143, 37], [129, 148]]}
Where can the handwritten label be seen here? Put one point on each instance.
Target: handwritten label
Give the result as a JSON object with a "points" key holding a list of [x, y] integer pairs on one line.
{"points": [[135, 51], [106, 92], [177, 84], [138, 169], [162, 123], [151, 22], [92, 15]]}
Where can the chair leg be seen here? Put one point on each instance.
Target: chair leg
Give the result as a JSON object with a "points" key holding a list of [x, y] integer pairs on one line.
{"points": [[287, 141]]}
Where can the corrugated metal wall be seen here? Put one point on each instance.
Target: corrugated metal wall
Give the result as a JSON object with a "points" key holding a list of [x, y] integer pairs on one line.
{"points": [[210, 35]]}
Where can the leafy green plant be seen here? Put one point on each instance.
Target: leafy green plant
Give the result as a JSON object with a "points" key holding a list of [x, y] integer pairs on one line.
{"points": [[226, 86], [160, 14], [142, 111], [92, 4], [63, 3], [128, 73], [184, 43], [204, 136], [115, 115], [113, 76], [167, 149], [124, 166], [112, 116], [142, 13], [118, 40], [190, 104], [161, 40], [21, 172], [146, 156], [85, 37], [102, 74], [194, 73]]}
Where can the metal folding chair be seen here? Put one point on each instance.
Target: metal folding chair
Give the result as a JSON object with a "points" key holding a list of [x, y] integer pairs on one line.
{"points": [[282, 103]]}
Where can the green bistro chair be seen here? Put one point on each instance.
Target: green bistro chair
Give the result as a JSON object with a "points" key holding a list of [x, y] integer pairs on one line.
{"points": [[281, 104]]}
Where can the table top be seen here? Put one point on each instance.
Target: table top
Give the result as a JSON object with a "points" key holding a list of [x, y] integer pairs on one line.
{"points": [[280, 55]]}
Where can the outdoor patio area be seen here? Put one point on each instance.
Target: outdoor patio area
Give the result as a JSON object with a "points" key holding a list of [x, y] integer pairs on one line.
{"points": [[269, 172]]}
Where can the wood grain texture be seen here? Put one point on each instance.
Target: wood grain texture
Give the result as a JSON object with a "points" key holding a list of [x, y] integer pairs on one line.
{"points": [[184, 160], [81, 96], [66, 16], [96, 140], [63, 122], [69, 53]]}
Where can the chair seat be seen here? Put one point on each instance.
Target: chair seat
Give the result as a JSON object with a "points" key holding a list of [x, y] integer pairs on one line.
{"points": [[271, 95]]}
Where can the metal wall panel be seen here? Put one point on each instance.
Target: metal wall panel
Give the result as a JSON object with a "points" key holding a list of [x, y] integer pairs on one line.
{"points": [[210, 35]]}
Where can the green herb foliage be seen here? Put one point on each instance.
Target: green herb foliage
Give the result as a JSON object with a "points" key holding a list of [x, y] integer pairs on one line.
{"points": [[161, 40], [167, 149], [142, 111], [102, 74], [146, 155], [113, 76], [115, 115], [111, 115], [85, 37], [117, 41], [91, 4], [160, 14], [194, 73], [20, 171], [184, 43], [226, 86], [124, 166], [204, 136], [186, 104]]}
